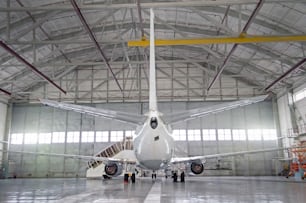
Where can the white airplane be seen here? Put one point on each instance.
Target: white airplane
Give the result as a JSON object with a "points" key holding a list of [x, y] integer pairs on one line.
{"points": [[154, 144]]}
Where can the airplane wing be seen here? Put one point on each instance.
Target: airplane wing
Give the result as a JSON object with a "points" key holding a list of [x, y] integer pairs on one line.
{"points": [[176, 160], [135, 119], [205, 111], [4, 142], [73, 156]]}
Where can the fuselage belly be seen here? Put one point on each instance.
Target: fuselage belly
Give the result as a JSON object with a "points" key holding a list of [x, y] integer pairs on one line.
{"points": [[154, 146]]}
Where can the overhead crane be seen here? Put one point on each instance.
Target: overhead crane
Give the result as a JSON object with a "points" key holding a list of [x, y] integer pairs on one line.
{"points": [[241, 39]]}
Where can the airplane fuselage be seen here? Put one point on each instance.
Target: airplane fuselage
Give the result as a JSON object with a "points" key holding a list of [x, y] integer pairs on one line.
{"points": [[154, 145]]}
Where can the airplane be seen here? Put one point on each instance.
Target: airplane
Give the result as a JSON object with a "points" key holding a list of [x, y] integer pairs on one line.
{"points": [[153, 143]]}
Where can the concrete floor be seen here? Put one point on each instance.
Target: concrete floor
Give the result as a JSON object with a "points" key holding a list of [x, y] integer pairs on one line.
{"points": [[195, 189]]}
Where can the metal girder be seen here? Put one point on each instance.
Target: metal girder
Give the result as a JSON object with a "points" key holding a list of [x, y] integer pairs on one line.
{"points": [[6, 92], [177, 81], [213, 21], [35, 25], [92, 37], [21, 59], [47, 42], [245, 29], [39, 24], [134, 62], [296, 66], [183, 4], [242, 39], [20, 22], [183, 34], [140, 18]]}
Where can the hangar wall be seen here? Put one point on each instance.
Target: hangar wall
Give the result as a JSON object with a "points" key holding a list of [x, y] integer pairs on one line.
{"points": [[300, 106], [292, 114], [31, 120]]}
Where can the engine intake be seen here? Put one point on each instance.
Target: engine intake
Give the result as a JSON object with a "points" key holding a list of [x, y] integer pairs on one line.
{"points": [[113, 169], [197, 168]]}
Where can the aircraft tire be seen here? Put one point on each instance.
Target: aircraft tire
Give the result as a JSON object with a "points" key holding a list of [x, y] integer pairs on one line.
{"points": [[133, 178], [126, 178]]}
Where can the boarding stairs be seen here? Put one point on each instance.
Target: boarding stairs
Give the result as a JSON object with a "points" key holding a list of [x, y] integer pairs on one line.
{"points": [[111, 151], [95, 168]]}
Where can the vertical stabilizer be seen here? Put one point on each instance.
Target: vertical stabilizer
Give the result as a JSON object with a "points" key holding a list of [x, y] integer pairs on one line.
{"points": [[152, 98]]}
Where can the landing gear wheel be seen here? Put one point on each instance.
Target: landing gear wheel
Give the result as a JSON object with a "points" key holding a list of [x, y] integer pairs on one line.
{"points": [[133, 178], [126, 178]]}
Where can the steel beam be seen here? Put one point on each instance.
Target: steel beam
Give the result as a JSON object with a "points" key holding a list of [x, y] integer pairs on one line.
{"points": [[135, 62], [242, 39], [21, 59], [92, 37], [182, 4], [6, 92], [245, 29], [140, 19], [296, 66]]}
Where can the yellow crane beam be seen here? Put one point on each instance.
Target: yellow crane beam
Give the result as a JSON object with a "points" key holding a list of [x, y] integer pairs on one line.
{"points": [[242, 39]]}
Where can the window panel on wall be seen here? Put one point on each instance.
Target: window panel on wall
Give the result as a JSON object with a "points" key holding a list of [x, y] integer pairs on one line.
{"points": [[116, 136], [224, 134], [58, 137], [239, 134], [44, 138], [179, 135], [102, 136], [269, 134], [30, 138], [299, 95], [209, 134], [254, 134], [16, 138], [88, 136], [73, 137], [194, 135]]}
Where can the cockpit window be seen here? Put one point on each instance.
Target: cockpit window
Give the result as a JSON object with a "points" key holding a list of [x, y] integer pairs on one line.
{"points": [[153, 122]]}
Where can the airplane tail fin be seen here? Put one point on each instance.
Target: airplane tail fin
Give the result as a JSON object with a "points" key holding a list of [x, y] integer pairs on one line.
{"points": [[152, 96]]}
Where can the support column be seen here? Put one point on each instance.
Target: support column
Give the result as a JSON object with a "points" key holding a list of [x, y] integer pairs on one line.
{"points": [[3, 113], [3, 137]]}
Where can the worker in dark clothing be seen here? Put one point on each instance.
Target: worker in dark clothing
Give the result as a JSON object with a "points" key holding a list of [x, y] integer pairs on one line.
{"points": [[153, 175], [174, 177], [182, 176]]}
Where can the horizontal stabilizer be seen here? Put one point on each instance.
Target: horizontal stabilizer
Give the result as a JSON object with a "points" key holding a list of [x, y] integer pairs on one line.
{"points": [[135, 119], [205, 111]]}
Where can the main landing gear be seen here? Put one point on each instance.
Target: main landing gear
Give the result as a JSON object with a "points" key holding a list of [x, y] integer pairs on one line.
{"points": [[126, 177], [153, 175]]}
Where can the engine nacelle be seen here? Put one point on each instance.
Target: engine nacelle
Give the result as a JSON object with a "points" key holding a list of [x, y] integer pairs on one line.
{"points": [[196, 167], [113, 169]]}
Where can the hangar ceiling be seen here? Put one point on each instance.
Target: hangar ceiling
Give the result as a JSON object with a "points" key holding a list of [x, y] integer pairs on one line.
{"points": [[73, 62]]}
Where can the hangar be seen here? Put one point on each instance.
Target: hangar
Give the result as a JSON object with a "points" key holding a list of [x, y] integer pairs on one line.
{"points": [[95, 54]]}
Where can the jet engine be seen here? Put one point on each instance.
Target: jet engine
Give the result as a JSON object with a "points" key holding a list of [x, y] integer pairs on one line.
{"points": [[196, 167], [113, 169]]}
